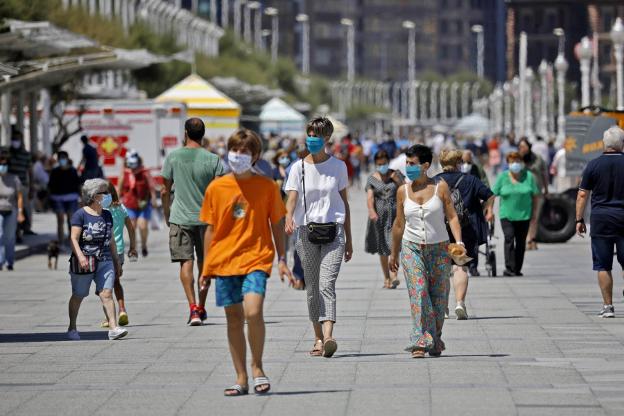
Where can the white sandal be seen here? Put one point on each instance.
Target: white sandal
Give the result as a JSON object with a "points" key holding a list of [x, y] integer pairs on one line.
{"points": [[261, 381]]}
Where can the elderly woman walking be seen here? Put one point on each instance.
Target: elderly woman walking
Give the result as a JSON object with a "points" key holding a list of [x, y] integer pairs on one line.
{"points": [[381, 190], [318, 209], [476, 199], [518, 194], [94, 256], [420, 236]]}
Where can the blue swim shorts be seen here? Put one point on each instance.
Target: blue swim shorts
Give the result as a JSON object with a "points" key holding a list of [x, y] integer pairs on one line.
{"points": [[230, 290]]}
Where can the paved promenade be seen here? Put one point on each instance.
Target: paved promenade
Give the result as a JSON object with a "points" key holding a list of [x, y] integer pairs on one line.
{"points": [[533, 346]]}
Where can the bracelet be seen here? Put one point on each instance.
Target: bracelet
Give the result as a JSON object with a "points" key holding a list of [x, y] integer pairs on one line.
{"points": [[461, 243], [581, 221], [282, 259]]}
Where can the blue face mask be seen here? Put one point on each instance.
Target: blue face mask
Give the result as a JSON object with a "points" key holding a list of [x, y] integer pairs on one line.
{"points": [[383, 169], [516, 167], [413, 172], [106, 201], [63, 163], [314, 144], [284, 161], [4, 169]]}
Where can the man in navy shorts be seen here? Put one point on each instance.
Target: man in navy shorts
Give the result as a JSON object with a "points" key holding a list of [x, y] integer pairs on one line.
{"points": [[603, 178]]}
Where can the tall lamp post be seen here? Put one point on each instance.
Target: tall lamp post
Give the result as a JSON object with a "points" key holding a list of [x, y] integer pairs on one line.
{"points": [[617, 37], [543, 121], [348, 23], [305, 42], [237, 16], [411, 66], [246, 22], [529, 103], [478, 29], [561, 66], [273, 13], [585, 54], [257, 37]]}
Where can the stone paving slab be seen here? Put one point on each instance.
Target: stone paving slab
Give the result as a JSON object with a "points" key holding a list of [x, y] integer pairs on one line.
{"points": [[533, 346]]}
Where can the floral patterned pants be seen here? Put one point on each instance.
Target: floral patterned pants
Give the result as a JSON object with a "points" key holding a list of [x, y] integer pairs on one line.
{"points": [[427, 269]]}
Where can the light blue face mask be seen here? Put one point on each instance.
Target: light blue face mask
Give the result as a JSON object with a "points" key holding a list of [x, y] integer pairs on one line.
{"points": [[284, 161], [106, 201], [383, 169], [516, 167], [413, 172], [4, 169], [314, 144]]}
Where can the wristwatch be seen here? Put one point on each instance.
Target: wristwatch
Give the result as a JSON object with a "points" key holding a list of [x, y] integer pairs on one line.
{"points": [[580, 221]]}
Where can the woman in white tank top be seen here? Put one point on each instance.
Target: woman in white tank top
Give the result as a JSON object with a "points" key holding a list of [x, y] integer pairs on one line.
{"points": [[419, 235]]}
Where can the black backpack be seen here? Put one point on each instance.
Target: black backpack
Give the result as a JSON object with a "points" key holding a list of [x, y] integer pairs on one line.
{"points": [[458, 203]]}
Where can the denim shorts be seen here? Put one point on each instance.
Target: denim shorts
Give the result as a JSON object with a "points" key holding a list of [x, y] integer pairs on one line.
{"points": [[602, 252], [145, 213], [104, 278], [61, 207], [230, 290]]}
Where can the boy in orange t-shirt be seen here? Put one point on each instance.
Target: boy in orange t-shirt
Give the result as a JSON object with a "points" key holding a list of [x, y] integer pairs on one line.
{"points": [[243, 211]]}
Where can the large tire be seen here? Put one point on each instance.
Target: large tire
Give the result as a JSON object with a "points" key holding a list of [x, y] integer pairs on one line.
{"points": [[557, 220]]}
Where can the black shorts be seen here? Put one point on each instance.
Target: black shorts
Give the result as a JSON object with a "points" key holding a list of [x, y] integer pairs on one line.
{"points": [[602, 252]]}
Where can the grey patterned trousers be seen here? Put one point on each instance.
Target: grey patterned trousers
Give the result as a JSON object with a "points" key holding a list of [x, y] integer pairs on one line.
{"points": [[321, 265]]}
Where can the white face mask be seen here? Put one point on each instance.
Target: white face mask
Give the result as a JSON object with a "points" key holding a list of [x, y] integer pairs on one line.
{"points": [[465, 167], [239, 162]]}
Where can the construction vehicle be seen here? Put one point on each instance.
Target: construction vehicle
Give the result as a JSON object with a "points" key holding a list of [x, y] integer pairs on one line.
{"points": [[583, 142]]}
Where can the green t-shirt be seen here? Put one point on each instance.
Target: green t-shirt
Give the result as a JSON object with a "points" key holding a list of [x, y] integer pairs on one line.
{"points": [[119, 215], [516, 199], [191, 170]]}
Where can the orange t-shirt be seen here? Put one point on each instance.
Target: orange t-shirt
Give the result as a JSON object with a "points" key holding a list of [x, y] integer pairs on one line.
{"points": [[240, 211]]}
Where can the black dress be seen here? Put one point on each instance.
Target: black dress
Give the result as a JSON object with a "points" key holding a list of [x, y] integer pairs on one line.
{"points": [[379, 233]]}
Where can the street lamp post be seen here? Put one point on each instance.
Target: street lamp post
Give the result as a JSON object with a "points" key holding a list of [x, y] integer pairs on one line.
{"points": [[506, 108], [273, 13], [543, 122], [443, 101], [257, 32], [433, 101], [305, 43], [561, 65], [423, 101], [411, 65], [478, 29], [530, 77], [225, 13], [465, 92], [350, 48], [237, 16], [247, 22], [521, 108], [617, 37], [453, 98], [585, 54]]}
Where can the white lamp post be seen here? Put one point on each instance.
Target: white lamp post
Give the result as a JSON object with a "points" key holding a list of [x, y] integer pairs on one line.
{"points": [[521, 108], [273, 13], [478, 29], [423, 101], [506, 108], [530, 77], [617, 37], [225, 13], [465, 92], [348, 23], [305, 42], [247, 22], [411, 65], [257, 30], [585, 54], [543, 121], [237, 17], [453, 98], [443, 101], [561, 65], [433, 101]]}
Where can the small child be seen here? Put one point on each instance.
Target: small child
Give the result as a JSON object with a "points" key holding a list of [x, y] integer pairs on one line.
{"points": [[120, 218], [244, 214]]}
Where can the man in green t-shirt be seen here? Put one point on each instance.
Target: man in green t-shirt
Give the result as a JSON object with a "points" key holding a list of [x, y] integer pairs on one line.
{"points": [[191, 169]]}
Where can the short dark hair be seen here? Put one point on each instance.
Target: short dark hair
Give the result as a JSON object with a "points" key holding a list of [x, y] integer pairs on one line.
{"points": [[195, 129], [84, 139], [422, 152], [381, 154], [320, 126], [62, 153]]}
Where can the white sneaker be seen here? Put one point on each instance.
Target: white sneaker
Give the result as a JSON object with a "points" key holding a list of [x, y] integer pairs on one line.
{"points": [[461, 312], [117, 333], [73, 335]]}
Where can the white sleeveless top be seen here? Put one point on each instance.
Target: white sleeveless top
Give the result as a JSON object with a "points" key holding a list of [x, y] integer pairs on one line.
{"points": [[424, 224]]}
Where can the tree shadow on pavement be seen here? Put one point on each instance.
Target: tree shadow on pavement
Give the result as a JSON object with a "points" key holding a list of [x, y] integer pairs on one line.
{"points": [[293, 393], [52, 337]]}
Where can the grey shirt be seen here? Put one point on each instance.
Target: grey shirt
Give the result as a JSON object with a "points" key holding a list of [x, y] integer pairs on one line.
{"points": [[10, 185]]}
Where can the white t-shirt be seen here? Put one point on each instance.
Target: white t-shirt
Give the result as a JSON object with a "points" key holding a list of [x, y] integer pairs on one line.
{"points": [[323, 183]]}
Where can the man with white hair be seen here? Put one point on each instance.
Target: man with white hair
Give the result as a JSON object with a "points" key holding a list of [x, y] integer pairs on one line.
{"points": [[604, 179]]}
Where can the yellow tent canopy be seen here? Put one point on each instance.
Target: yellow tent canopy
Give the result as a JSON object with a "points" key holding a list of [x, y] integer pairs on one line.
{"points": [[220, 113]]}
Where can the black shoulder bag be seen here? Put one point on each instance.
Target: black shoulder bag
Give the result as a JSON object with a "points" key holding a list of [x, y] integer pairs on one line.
{"points": [[318, 233]]}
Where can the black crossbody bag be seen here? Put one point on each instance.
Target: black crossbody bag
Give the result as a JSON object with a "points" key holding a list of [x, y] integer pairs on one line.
{"points": [[74, 263], [318, 233]]}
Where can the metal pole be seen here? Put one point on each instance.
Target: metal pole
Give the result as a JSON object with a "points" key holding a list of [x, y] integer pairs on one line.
{"points": [[225, 13], [506, 108], [454, 91], [522, 86], [45, 121], [433, 101], [529, 103], [443, 101], [305, 51], [258, 29], [5, 104], [237, 18], [33, 124], [351, 53], [562, 66], [423, 101], [543, 123], [617, 36], [274, 37], [585, 54], [246, 23], [596, 71]]}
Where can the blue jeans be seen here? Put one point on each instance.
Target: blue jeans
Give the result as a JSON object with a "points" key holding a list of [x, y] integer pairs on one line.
{"points": [[8, 226]]}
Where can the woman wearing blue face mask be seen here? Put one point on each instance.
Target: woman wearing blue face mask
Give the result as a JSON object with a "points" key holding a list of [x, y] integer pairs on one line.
{"points": [[381, 189], [518, 194], [318, 209], [419, 235], [94, 256], [64, 189]]}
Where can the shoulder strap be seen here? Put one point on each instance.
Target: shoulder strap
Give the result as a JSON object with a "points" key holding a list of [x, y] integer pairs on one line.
{"points": [[406, 190], [461, 178], [305, 204], [435, 192]]}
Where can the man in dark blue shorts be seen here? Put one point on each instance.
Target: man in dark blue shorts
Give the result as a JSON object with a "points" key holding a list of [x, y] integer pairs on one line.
{"points": [[603, 178]]}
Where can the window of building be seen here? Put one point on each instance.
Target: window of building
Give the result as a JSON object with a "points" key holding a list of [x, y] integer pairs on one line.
{"points": [[459, 27], [443, 27], [459, 52], [444, 52]]}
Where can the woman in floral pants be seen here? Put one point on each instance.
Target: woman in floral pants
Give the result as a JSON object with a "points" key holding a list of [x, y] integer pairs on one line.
{"points": [[419, 233]]}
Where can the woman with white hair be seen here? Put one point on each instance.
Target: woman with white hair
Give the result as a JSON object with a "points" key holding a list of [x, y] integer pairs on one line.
{"points": [[603, 178], [94, 256]]}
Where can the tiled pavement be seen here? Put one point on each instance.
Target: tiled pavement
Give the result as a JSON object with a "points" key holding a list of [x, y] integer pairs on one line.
{"points": [[533, 346]]}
